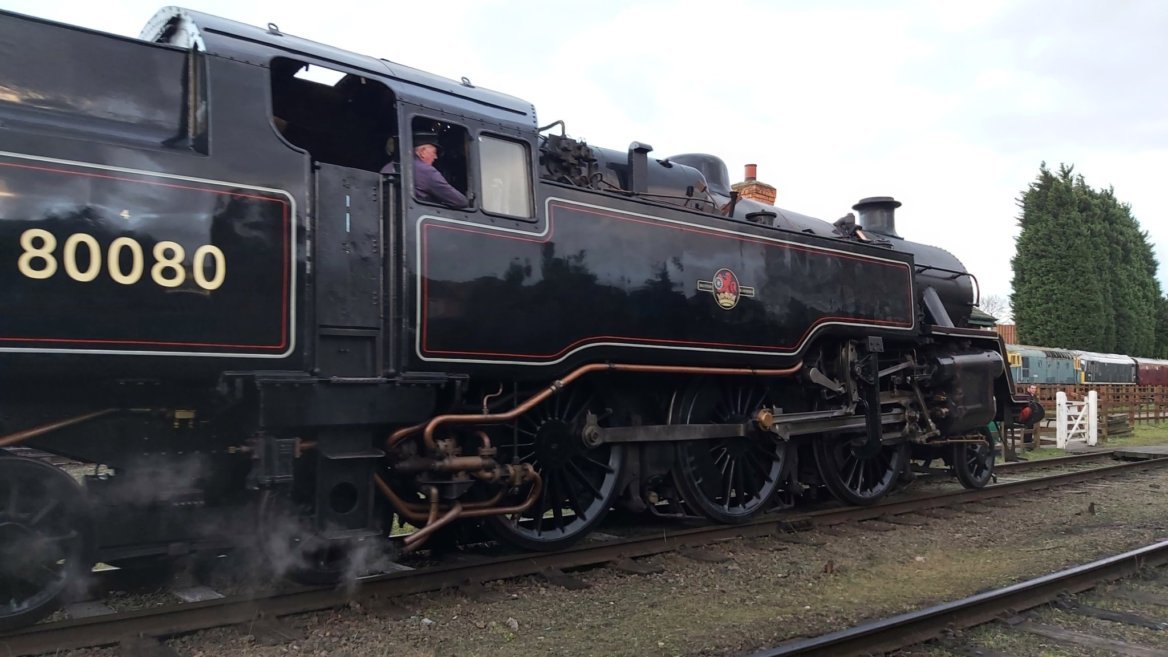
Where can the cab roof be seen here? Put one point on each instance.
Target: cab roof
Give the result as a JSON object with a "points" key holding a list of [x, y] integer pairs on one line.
{"points": [[227, 38]]}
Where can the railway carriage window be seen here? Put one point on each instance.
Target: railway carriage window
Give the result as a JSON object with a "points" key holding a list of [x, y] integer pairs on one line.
{"points": [[339, 118], [505, 167]]}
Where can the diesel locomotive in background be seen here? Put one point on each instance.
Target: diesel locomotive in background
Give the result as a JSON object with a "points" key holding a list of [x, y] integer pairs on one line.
{"points": [[213, 298]]}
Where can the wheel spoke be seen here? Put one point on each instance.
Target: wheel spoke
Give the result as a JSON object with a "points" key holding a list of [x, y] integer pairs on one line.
{"points": [[855, 476], [726, 464], [748, 475], [603, 466], [541, 508], [751, 405], [581, 477], [760, 469], [573, 415], [723, 453], [40, 515], [739, 480], [728, 480], [557, 503], [574, 499], [574, 504]]}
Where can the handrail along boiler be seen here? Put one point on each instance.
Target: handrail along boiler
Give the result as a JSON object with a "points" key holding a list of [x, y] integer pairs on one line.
{"points": [[216, 298]]}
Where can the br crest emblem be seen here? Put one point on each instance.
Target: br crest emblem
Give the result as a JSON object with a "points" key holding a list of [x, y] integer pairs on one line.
{"points": [[725, 288]]}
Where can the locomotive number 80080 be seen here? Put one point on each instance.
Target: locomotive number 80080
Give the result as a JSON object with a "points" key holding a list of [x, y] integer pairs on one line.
{"points": [[39, 261]]}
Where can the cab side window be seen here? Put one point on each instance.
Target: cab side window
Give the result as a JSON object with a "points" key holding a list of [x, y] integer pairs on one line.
{"points": [[339, 118], [440, 153], [506, 174]]}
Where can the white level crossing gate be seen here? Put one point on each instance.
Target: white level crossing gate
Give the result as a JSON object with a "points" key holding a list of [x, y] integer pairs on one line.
{"points": [[1076, 420]]}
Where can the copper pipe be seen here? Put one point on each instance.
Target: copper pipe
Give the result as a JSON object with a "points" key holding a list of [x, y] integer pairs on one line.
{"points": [[21, 436], [401, 434], [415, 540], [485, 503], [416, 513], [448, 464], [556, 386], [532, 497], [487, 398], [434, 502], [485, 438], [459, 463]]}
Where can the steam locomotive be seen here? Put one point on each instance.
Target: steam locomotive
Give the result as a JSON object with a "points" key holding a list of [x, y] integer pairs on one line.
{"points": [[215, 298]]}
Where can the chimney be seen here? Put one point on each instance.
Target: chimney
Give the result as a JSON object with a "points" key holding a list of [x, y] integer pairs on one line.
{"points": [[752, 189], [877, 214]]}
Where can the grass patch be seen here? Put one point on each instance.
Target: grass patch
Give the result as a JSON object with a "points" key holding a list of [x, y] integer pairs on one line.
{"points": [[1039, 454], [1144, 433], [1152, 433]]}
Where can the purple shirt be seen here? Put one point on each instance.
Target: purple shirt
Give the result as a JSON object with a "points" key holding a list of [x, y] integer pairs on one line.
{"points": [[429, 185]]}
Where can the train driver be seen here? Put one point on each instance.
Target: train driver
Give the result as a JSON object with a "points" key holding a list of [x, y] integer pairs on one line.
{"points": [[429, 183]]}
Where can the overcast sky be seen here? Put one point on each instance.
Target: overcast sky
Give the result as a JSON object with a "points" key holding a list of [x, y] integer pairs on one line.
{"points": [[949, 107]]}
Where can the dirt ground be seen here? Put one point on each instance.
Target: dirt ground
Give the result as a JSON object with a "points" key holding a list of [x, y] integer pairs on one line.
{"points": [[765, 591]]}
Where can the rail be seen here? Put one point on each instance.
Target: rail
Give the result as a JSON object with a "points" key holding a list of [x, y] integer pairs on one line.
{"points": [[233, 610], [915, 627]]}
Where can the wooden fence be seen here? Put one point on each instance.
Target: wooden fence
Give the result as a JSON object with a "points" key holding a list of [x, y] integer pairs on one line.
{"points": [[1121, 407]]}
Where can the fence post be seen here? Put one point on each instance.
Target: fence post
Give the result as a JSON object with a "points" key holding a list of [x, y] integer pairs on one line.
{"points": [[1132, 408], [1107, 403], [1092, 418], [1060, 422]]}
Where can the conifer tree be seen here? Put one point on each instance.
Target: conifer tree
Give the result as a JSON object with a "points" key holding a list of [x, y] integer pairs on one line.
{"points": [[1058, 298], [1084, 271], [1161, 350]]}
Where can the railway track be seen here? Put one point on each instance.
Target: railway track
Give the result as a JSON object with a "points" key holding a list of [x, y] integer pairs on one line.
{"points": [[189, 617], [916, 627]]}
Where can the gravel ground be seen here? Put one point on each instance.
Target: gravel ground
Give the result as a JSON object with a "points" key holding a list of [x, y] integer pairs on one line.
{"points": [[765, 591]]}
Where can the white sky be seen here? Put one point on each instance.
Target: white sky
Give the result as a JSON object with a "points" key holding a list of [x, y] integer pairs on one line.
{"points": [[950, 107]]}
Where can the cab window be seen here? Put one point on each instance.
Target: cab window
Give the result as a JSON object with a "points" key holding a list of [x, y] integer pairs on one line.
{"points": [[506, 176], [339, 118], [452, 145]]}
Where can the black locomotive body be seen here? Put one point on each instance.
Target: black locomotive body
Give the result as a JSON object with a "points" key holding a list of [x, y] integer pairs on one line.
{"points": [[214, 296]]}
